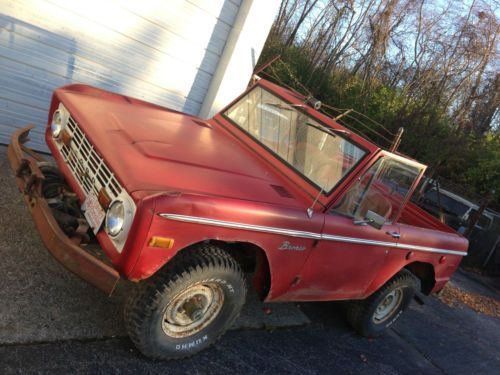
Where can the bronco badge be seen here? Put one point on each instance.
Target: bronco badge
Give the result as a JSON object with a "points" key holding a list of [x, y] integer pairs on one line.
{"points": [[286, 245]]}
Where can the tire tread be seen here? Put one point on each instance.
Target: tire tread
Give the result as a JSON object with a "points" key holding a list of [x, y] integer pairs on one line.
{"points": [[358, 311], [145, 297]]}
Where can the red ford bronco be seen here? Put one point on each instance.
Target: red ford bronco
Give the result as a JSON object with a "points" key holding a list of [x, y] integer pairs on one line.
{"points": [[185, 207]]}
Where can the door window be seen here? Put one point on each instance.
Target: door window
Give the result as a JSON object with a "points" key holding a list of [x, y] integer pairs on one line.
{"points": [[382, 189]]}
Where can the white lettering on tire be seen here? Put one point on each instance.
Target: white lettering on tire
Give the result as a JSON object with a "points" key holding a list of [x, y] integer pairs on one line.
{"points": [[223, 282], [394, 319], [191, 344]]}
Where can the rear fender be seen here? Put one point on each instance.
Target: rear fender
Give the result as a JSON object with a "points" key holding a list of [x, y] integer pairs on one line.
{"points": [[424, 269], [433, 269]]}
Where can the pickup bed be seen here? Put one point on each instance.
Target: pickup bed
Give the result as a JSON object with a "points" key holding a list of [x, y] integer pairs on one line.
{"points": [[185, 207]]}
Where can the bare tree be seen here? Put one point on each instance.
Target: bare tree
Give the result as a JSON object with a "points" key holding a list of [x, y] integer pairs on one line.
{"points": [[438, 56]]}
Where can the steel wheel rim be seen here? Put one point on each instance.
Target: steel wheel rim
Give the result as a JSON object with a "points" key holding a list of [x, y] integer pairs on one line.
{"points": [[192, 310], [388, 306]]}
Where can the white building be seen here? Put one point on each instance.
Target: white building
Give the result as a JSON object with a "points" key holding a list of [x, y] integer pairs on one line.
{"points": [[190, 55]]}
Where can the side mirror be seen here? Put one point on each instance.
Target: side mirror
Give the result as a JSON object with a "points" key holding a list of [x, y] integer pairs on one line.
{"points": [[375, 220]]}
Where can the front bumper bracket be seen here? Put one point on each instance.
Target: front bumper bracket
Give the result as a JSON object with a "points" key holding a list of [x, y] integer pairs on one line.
{"points": [[24, 163]]}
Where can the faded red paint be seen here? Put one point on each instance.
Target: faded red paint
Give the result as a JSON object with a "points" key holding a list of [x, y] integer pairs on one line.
{"points": [[170, 162]]}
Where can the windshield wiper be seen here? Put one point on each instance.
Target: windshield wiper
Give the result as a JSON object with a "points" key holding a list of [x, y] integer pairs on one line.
{"points": [[322, 128], [277, 105], [327, 130]]}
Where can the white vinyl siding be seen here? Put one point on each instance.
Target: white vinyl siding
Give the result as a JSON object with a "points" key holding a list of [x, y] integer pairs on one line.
{"points": [[164, 52]]}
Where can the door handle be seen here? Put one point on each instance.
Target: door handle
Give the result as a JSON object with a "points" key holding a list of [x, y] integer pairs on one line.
{"points": [[394, 234]]}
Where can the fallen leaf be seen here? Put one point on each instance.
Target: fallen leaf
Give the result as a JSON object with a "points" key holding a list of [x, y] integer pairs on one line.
{"points": [[453, 296]]}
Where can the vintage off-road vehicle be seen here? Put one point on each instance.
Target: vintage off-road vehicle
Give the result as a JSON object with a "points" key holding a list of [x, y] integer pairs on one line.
{"points": [[186, 207]]}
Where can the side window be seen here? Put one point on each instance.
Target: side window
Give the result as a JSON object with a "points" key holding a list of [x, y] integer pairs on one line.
{"points": [[431, 197], [381, 189], [484, 222]]}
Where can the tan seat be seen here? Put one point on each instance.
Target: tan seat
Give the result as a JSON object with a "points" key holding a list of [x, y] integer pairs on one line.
{"points": [[376, 202]]}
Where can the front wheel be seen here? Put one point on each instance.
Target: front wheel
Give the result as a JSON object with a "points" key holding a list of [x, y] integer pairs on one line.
{"points": [[187, 306], [372, 316]]}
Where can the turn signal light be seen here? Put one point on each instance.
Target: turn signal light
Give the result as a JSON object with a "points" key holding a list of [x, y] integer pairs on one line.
{"points": [[164, 242], [66, 138], [104, 198]]}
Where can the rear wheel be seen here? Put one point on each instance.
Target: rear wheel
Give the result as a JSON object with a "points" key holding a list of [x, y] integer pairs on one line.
{"points": [[372, 316], [187, 306]]}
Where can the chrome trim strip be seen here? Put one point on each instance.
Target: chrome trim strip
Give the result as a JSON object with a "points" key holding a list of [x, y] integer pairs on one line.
{"points": [[232, 224], [302, 234], [431, 249]]}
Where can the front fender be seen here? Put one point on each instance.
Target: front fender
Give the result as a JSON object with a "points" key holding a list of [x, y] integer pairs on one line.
{"points": [[284, 265]]}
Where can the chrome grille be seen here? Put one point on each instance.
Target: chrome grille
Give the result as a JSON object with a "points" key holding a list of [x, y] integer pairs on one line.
{"points": [[91, 172], [87, 166]]}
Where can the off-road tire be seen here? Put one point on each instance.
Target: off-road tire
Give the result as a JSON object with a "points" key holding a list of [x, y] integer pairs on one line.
{"points": [[360, 314], [145, 308]]}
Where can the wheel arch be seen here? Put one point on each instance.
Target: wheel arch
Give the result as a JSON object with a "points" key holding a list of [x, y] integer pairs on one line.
{"points": [[425, 273], [251, 258]]}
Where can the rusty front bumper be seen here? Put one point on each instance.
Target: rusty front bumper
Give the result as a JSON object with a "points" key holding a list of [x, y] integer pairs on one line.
{"points": [[24, 163]]}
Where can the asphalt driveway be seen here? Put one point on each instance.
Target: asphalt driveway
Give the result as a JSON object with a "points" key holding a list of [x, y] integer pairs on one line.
{"points": [[52, 322]]}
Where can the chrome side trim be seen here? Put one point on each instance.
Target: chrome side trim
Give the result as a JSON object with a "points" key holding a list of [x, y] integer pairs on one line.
{"points": [[430, 249], [232, 224], [302, 234]]}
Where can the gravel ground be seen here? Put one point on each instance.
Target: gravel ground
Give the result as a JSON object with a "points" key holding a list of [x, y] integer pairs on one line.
{"points": [[52, 322]]}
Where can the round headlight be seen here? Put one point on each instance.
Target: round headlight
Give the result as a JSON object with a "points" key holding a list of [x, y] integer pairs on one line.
{"points": [[115, 218], [57, 124]]}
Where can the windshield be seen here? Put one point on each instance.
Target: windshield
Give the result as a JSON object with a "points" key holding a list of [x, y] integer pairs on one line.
{"points": [[314, 150]]}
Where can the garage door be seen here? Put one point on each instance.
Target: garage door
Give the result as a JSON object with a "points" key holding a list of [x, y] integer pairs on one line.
{"points": [[161, 51]]}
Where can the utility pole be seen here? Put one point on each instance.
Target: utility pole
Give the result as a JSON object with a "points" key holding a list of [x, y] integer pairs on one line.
{"points": [[475, 218]]}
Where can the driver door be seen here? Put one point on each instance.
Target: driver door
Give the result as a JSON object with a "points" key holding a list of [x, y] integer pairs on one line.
{"points": [[352, 249]]}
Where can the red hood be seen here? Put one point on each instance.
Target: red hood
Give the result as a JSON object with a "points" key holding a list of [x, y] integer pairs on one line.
{"points": [[150, 148]]}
